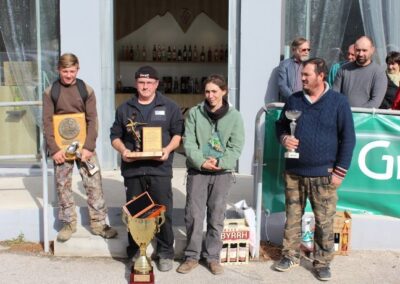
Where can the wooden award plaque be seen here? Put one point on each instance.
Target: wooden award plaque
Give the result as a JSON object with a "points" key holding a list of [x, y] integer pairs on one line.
{"points": [[69, 128], [151, 144]]}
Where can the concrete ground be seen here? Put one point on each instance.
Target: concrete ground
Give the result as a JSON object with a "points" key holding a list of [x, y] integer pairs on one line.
{"points": [[359, 267]]}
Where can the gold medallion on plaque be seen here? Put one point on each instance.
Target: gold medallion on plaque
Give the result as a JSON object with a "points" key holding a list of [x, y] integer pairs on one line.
{"points": [[69, 128]]}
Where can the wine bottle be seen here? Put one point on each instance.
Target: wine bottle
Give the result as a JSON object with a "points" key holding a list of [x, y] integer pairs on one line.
{"points": [[174, 53], [169, 53], [189, 55], [184, 55], [202, 54], [195, 54], [154, 53], [144, 53]]}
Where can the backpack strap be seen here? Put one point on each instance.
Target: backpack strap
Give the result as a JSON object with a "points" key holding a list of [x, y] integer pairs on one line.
{"points": [[82, 89], [55, 92], [56, 87]]}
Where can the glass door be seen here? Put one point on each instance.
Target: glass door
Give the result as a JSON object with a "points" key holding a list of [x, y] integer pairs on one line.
{"points": [[29, 48]]}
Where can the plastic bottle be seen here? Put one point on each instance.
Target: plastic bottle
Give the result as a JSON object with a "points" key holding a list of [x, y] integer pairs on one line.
{"points": [[307, 237]]}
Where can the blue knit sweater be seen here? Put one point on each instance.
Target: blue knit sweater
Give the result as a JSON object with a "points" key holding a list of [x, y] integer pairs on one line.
{"points": [[325, 131]]}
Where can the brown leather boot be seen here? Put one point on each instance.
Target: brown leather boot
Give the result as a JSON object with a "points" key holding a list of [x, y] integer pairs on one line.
{"points": [[215, 267], [104, 231], [187, 266], [66, 232]]}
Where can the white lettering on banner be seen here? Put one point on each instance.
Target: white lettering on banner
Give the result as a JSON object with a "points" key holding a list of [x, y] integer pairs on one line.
{"points": [[389, 161]]}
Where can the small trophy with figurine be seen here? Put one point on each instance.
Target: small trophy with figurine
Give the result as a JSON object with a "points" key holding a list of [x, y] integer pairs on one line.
{"points": [[293, 115], [147, 140]]}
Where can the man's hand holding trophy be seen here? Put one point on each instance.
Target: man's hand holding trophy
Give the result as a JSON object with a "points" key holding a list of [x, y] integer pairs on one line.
{"points": [[293, 115], [72, 152]]}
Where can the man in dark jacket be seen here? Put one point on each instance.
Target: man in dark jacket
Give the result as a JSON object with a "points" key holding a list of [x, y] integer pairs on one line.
{"points": [[154, 176]]}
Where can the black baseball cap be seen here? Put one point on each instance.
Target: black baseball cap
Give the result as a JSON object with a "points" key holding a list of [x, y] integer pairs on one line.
{"points": [[146, 72]]}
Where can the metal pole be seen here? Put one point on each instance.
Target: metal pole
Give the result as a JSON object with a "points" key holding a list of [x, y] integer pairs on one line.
{"points": [[233, 51], [42, 148], [45, 197], [258, 170], [258, 166]]}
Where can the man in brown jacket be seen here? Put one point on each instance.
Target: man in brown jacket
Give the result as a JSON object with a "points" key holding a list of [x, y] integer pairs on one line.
{"points": [[67, 96]]}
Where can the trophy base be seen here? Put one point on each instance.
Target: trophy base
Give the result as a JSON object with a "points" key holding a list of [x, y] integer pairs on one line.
{"points": [[292, 155], [94, 170], [141, 278], [145, 155]]}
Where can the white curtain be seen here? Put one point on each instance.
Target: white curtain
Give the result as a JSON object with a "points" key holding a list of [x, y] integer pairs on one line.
{"points": [[381, 22], [29, 31], [322, 22]]}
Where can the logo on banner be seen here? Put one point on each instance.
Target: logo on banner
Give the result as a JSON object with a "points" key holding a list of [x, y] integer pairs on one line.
{"points": [[388, 159]]}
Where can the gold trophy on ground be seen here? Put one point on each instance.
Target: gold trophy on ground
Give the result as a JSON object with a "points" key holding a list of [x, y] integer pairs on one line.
{"points": [[143, 219]]}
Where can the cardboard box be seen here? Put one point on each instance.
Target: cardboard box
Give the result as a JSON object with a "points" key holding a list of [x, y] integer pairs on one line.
{"points": [[342, 232], [142, 206], [235, 239]]}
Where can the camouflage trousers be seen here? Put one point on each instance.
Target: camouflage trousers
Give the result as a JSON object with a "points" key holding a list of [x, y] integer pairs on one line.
{"points": [[93, 188], [323, 198]]}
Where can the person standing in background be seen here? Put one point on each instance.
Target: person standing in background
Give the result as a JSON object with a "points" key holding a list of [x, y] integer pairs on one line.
{"points": [[289, 70], [393, 78], [350, 57], [363, 81]]}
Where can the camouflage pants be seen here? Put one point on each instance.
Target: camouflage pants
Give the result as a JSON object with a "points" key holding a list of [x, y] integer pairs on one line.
{"points": [[93, 188], [323, 198]]}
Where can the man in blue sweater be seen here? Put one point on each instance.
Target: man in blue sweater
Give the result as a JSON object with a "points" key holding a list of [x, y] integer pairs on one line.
{"points": [[325, 139]]}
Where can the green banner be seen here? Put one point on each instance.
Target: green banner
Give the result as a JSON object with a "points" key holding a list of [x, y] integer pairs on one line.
{"points": [[372, 182]]}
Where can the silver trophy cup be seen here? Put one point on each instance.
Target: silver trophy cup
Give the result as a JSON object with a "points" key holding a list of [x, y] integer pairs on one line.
{"points": [[292, 115], [72, 150]]}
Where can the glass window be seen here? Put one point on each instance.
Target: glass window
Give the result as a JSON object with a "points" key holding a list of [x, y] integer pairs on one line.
{"points": [[29, 49]]}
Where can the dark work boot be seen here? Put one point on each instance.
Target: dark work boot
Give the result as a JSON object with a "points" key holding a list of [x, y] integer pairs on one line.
{"points": [[323, 273], [285, 264]]}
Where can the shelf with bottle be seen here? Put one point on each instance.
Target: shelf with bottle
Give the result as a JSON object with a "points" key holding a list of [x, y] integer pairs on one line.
{"points": [[161, 53]]}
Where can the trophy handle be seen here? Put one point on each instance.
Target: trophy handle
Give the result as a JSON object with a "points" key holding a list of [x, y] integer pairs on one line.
{"points": [[160, 220]]}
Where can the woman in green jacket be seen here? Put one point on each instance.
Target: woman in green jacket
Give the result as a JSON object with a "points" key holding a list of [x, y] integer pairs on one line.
{"points": [[213, 141]]}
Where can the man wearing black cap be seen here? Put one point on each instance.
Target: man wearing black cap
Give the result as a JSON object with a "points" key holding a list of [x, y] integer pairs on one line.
{"points": [[154, 176]]}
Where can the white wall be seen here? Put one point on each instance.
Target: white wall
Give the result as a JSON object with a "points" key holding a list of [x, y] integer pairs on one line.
{"points": [[259, 54], [86, 29], [80, 34]]}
